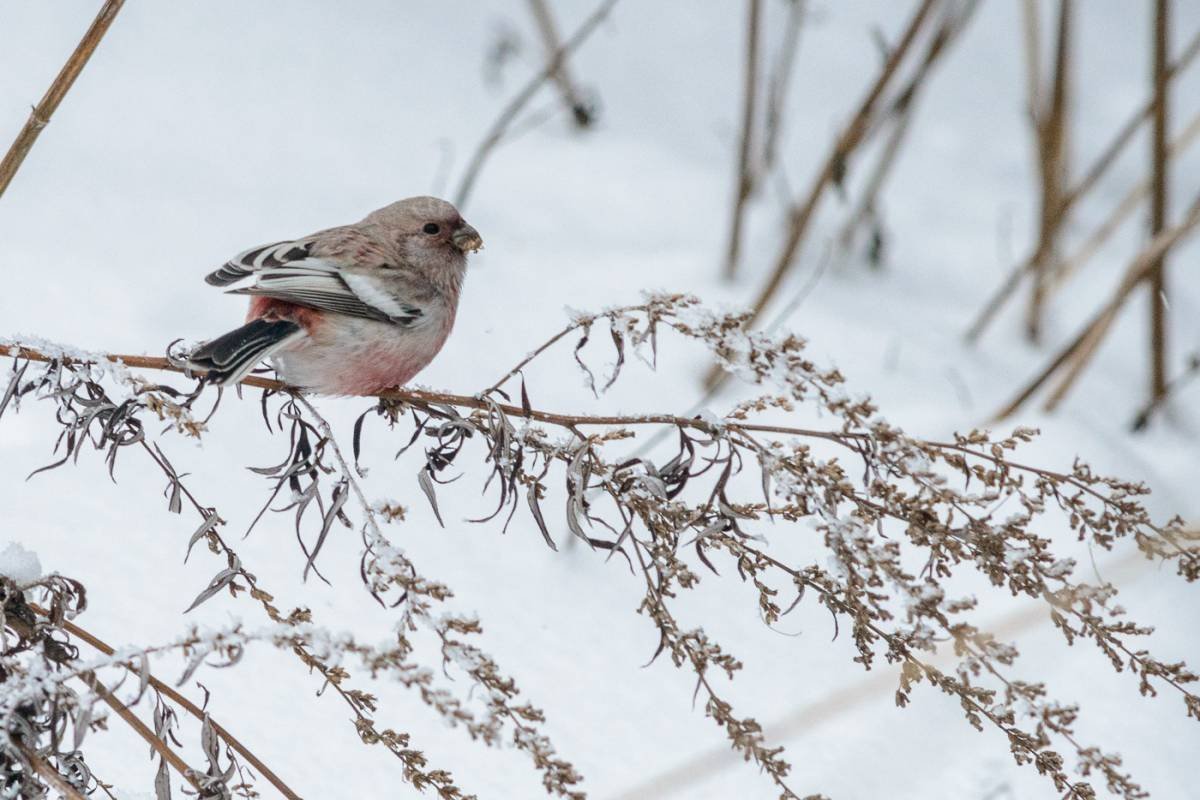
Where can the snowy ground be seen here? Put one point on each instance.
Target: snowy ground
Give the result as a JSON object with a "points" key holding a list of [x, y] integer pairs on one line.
{"points": [[201, 129]]}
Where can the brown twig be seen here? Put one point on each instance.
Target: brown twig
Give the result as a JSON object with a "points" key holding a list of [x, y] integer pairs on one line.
{"points": [[1050, 128], [40, 116], [1160, 158], [778, 82], [52, 776], [1079, 350], [901, 119], [140, 728], [572, 421], [517, 104], [1090, 177], [1143, 417], [1128, 204], [572, 98], [834, 167], [187, 705], [747, 173]]}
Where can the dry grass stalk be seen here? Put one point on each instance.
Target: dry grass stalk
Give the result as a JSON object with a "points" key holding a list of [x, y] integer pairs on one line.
{"points": [[186, 704], [1091, 176], [581, 110], [1129, 203], [833, 168], [778, 81], [1178, 382], [1050, 128], [900, 115], [1160, 164], [169, 756], [54, 779], [746, 169], [40, 116], [515, 106], [1075, 356], [901, 508]]}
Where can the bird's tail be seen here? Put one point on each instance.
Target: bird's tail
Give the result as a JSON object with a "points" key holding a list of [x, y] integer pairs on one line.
{"points": [[228, 358]]}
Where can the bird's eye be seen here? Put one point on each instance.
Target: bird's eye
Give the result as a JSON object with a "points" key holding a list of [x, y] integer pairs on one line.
{"points": [[431, 228]]}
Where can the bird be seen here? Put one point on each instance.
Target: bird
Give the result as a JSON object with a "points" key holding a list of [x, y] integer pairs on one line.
{"points": [[352, 310]]}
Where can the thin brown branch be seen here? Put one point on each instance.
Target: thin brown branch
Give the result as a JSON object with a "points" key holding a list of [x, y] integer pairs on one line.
{"points": [[834, 167], [1050, 125], [901, 120], [572, 421], [1091, 176], [1160, 158], [1079, 350], [1128, 204], [509, 113], [747, 172], [49, 774], [170, 756], [186, 704], [1178, 382], [572, 98], [779, 80], [40, 116], [1031, 40]]}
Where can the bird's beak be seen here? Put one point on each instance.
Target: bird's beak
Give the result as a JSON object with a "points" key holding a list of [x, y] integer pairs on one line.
{"points": [[466, 238]]}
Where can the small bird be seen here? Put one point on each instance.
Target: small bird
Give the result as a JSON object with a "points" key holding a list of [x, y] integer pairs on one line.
{"points": [[351, 310]]}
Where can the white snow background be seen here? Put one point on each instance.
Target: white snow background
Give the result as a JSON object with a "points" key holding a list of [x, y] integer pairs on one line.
{"points": [[200, 129]]}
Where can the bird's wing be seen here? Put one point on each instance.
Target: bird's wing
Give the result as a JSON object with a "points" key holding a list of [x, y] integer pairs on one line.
{"points": [[290, 271]]}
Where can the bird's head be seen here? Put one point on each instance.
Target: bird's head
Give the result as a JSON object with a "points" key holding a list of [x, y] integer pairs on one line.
{"points": [[428, 232]]}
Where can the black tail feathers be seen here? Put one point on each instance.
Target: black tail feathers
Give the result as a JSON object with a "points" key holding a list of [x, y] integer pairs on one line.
{"points": [[228, 358]]}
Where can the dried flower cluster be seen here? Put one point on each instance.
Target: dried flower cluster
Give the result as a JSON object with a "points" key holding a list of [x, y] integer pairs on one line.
{"points": [[901, 522]]}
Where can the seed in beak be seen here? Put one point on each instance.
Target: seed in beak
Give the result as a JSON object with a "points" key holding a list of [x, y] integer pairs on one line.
{"points": [[466, 238]]}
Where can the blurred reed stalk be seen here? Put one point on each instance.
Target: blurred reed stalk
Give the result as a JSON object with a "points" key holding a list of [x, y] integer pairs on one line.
{"points": [[1148, 266], [517, 104], [40, 116], [1082, 187], [899, 119], [1050, 120], [833, 169], [1075, 356], [747, 172], [581, 111], [1160, 165]]}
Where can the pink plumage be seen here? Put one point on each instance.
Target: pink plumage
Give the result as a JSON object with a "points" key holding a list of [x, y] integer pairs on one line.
{"points": [[351, 310]]}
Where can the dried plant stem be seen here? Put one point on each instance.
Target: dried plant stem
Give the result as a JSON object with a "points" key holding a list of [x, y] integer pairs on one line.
{"points": [[571, 96], [177, 698], [496, 133], [778, 82], [421, 397], [1031, 39], [834, 166], [746, 170], [40, 116], [849, 439], [52, 776], [1090, 177], [804, 720], [170, 756], [1079, 351], [901, 120], [1160, 158], [1190, 372], [1050, 127], [1128, 204]]}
